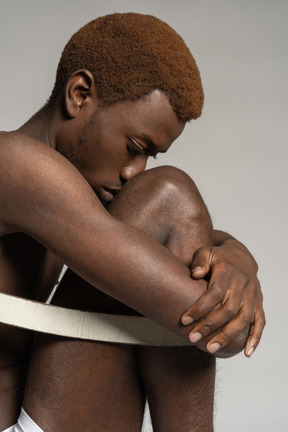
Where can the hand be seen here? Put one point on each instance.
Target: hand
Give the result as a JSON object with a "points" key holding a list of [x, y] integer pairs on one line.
{"points": [[233, 300]]}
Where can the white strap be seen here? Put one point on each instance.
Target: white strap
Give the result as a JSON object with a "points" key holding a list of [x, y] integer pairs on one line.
{"points": [[135, 330], [60, 277]]}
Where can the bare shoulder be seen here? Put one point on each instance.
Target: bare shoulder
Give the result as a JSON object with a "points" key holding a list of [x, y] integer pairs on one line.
{"points": [[38, 186], [19, 151]]}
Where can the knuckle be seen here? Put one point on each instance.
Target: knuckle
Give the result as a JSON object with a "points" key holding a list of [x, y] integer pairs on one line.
{"points": [[247, 316], [244, 278], [200, 307], [197, 312], [207, 302], [216, 293], [223, 267], [225, 336], [262, 321], [231, 310], [240, 275], [230, 267], [207, 326]]}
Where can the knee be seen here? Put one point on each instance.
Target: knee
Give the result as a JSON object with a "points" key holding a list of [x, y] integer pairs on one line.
{"points": [[162, 197], [169, 188], [166, 204]]}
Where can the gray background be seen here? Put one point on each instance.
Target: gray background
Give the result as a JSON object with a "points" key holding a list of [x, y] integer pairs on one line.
{"points": [[236, 152]]}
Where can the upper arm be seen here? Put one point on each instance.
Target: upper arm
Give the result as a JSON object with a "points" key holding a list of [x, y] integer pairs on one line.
{"points": [[44, 196]]}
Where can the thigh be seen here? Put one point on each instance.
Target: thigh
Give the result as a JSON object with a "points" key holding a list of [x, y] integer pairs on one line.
{"points": [[79, 385], [179, 383]]}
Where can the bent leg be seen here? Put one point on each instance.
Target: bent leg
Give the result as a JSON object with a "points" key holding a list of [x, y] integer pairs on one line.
{"points": [[179, 382], [76, 385]]}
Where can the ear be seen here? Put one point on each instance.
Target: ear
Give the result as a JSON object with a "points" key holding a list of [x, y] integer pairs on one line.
{"points": [[80, 90]]}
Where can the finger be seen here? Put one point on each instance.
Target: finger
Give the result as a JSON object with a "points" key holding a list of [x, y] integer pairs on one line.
{"points": [[230, 332], [233, 329], [219, 284], [219, 317], [235, 326], [201, 261], [203, 306], [256, 333]]}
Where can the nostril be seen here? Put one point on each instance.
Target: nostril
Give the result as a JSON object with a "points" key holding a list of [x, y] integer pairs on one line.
{"points": [[123, 180]]}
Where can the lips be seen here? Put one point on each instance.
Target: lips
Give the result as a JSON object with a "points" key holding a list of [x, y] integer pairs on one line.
{"points": [[109, 195]]}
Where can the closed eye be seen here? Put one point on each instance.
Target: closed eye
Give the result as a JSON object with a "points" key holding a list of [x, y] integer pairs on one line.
{"points": [[136, 148]]}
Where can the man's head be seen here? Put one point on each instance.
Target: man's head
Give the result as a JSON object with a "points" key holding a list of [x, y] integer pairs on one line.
{"points": [[112, 145], [130, 55]]}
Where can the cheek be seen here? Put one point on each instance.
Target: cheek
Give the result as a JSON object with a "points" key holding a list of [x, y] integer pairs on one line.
{"points": [[99, 174]]}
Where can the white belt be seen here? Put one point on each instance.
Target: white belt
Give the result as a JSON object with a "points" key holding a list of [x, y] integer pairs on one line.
{"points": [[44, 318]]}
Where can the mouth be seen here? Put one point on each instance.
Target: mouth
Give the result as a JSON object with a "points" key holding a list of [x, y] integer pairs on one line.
{"points": [[113, 192], [108, 194]]}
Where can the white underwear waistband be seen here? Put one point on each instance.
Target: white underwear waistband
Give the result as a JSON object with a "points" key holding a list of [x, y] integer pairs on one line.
{"points": [[41, 317]]}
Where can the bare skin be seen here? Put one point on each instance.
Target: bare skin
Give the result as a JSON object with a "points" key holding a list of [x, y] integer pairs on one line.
{"points": [[21, 262], [113, 380], [48, 204]]}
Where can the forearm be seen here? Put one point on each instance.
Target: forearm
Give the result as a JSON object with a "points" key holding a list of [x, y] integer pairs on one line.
{"points": [[154, 282]]}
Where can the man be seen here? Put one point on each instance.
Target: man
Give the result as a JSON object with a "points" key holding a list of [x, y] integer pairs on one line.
{"points": [[126, 85]]}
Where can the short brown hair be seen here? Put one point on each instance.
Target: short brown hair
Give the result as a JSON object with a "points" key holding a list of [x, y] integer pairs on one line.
{"points": [[130, 55]]}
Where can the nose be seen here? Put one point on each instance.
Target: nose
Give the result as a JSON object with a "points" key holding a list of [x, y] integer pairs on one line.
{"points": [[137, 166]]}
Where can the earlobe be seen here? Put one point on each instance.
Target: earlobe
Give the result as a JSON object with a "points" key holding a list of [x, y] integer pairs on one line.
{"points": [[79, 90]]}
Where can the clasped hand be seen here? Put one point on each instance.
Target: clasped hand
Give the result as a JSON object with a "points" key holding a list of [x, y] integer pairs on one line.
{"points": [[233, 302]]}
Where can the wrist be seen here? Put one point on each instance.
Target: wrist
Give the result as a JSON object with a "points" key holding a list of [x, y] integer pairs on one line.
{"points": [[240, 250]]}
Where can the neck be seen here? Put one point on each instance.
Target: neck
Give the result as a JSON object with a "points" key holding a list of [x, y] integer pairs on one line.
{"points": [[42, 126]]}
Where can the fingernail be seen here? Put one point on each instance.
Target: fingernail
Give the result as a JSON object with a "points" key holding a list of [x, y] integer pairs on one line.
{"points": [[195, 337], [187, 320], [214, 347], [197, 268], [250, 351]]}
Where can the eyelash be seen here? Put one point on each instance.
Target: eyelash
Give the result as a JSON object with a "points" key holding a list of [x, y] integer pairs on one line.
{"points": [[135, 150]]}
